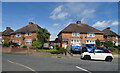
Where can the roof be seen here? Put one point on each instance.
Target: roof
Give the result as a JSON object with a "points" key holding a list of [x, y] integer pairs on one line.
{"points": [[80, 28], [109, 32], [28, 28], [7, 32]]}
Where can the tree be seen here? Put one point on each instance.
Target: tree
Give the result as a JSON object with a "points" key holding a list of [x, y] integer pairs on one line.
{"points": [[108, 44], [36, 45], [97, 43], [42, 36], [5, 43]]}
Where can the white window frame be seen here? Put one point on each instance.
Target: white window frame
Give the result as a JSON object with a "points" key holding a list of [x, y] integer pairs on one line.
{"points": [[76, 34], [28, 41], [88, 35], [18, 34], [30, 34], [90, 41]]}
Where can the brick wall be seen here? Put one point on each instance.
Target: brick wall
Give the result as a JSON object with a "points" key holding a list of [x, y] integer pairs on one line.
{"points": [[23, 37], [7, 38]]}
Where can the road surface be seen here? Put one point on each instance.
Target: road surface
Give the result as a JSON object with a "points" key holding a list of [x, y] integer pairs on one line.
{"points": [[12, 62]]}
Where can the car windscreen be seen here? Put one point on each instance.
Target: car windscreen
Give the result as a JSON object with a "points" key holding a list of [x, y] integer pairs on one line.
{"points": [[90, 45]]}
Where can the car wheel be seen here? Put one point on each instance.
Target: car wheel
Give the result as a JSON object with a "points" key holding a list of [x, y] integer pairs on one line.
{"points": [[109, 59], [87, 57]]}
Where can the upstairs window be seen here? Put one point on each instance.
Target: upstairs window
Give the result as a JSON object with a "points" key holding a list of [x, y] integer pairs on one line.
{"points": [[76, 34], [28, 34], [91, 35], [18, 35]]}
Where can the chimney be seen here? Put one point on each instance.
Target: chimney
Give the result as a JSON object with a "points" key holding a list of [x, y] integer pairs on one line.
{"points": [[78, 22], [108, 28], [31, 23], [7, 28]]}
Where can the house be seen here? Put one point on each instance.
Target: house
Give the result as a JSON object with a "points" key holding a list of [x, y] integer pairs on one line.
{"points": [[6, 34], [26, 34], [76, 34], [109, 35]]}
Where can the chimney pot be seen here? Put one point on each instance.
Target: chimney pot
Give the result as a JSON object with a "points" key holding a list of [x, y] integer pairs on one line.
{"points": [[78, 22], [31, 23], [7, 28], [108, 28]]}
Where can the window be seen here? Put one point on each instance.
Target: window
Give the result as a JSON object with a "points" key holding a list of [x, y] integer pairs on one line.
{"points": [[90, 41], [18, 35], [98, 51], [18, 42], [28, 41], [28, 34], [76, 34], [91, 35], [75, 41]]}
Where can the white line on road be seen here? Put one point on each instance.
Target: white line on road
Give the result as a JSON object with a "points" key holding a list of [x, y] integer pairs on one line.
{"points": [[23, 66], [83, 69]]}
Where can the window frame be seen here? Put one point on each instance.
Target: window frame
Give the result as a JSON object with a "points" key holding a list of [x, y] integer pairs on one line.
{"points": [[18, 34], [30, 34], [76, 34], [88, 35]]}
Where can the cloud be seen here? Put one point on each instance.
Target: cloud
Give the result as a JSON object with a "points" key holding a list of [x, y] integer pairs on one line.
{"points": [[56, 24], [53, 37], [102, 24], [57, 13], [75, 11]]}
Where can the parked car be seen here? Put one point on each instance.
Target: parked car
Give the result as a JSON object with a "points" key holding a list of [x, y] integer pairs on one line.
{"points": [[76, 49], [98, 54], [87, 47]]}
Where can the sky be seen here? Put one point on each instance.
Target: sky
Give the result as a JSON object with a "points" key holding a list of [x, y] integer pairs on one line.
{"points": [[55, 16]]}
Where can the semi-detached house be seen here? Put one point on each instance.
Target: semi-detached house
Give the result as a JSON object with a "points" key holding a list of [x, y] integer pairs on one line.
{"points": [[76, 34], [25, 35]]}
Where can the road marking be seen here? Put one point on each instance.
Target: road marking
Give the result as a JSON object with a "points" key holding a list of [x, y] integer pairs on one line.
{"points": [[83, 69], [23, 66]]}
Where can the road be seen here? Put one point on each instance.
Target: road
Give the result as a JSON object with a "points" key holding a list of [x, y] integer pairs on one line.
{"points": [[12, 62]]}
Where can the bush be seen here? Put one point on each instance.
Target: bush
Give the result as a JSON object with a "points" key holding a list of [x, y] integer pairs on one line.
{"points": [[23, 46], [97, 43], [5, 43], [108, 44], [115, 51], [36, 45]]}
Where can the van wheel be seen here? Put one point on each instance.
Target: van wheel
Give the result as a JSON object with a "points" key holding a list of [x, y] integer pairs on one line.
{"points": [[109, 59], [87, 57]]}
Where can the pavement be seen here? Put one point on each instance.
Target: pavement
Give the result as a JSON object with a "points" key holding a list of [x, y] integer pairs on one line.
{"points": [[53, 63]]}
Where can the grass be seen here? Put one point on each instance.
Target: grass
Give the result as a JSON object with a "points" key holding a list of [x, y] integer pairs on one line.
{"points": [[115, 51]]}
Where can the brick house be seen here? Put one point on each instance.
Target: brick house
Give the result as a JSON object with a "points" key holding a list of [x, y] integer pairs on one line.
{"points": [[26, 34], [109, 35], [7, 33], [78, 34]]}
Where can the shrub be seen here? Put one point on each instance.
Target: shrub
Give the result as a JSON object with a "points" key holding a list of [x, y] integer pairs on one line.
{"points": [[36, 45], [23, 46], [108, 44], [5, 43], [97, 43]]}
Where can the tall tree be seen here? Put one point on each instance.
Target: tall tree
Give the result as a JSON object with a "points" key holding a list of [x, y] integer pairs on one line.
{"points": [[97, 43], [43, 35]]}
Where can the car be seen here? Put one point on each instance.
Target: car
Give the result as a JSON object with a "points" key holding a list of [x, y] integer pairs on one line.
{"points": [[98, 54], [75, 49], [87, 47]]}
